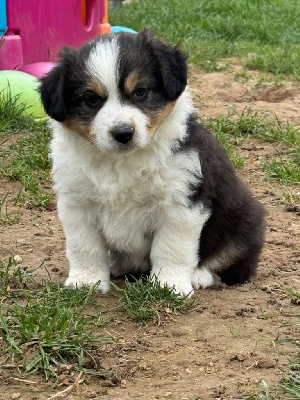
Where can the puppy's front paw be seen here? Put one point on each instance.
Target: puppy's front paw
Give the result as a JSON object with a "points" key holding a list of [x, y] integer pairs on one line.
{"points": [[203, 278], [79, 281], [183, 287]]}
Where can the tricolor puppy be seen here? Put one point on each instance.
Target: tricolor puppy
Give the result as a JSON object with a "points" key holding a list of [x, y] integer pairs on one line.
{"points": [[141, 184]]}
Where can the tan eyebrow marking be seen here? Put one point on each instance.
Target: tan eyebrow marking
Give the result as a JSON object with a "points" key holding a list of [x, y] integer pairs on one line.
{"points": [[99, 88], [131, 81]]}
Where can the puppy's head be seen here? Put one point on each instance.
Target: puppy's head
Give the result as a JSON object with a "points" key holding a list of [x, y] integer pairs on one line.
{"points": [[115, 90]]}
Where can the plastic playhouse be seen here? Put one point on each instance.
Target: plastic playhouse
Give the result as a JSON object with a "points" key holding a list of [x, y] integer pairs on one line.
{"points": [[34, 31]]}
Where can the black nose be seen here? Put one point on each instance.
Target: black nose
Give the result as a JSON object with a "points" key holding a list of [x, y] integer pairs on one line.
{"points": [[123, 133]]}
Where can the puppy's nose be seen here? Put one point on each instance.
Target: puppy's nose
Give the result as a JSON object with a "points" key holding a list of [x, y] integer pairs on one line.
{"points": [[123, 133]]}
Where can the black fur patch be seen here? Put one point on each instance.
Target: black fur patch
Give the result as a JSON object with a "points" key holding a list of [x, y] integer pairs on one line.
{"points": [[61, 88], [237, 218]]}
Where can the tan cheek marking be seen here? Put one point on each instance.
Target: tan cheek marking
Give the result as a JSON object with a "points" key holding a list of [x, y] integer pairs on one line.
{"points": [[157, 119], [82, 129], [131, 81]]}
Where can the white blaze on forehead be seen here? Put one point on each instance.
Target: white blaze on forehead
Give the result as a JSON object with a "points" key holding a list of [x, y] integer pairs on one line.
{"points": [[102, 65], [103, 62]]}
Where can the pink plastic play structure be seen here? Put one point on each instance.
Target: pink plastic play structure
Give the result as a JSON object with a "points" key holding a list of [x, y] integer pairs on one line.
{"points": [[38, 29]]}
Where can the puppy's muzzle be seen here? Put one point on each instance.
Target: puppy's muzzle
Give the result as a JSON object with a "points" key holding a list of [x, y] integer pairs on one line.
{"points": [[123, 133]]}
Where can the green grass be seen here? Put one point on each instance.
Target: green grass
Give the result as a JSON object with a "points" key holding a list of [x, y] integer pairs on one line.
{"points": [[43, 328], [230, 129], [14, 280], [26, 161], [279, 169], [12, 117], [264, 33], [24, 148], [6, 217], [251, 123], [289, 388], [144, 299]]}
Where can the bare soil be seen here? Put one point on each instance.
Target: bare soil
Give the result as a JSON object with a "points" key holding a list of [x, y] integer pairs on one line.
{"points": [[223, 352]]}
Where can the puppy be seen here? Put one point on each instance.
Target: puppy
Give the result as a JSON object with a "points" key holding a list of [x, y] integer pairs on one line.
{"points": [[141, 184]]}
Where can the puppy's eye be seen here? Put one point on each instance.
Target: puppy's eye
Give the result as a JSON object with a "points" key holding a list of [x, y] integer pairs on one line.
{"points": [[140, 93], [93, 100]]}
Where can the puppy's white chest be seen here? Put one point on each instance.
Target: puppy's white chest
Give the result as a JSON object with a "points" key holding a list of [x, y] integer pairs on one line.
{"points": [[128, 215], [134, 203]]}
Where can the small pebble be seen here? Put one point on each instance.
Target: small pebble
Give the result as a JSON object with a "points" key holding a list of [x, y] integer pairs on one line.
{"points": [[283, 303], [266, 363], [15, 396], [18, 259]]}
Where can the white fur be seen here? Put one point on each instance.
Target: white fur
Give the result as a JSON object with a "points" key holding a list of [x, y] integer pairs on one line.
{"points": [[102, 64], [174, 252], [135, 202], [111, 115]]}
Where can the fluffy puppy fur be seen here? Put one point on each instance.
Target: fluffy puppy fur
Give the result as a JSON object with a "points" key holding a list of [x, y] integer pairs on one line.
{"points": [[141, 184]]}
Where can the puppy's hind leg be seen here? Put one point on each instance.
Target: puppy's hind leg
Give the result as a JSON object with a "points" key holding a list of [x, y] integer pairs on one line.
{"points": [[121, 264], [242, 270], [232, 265], [208, 272], [204, 278]]}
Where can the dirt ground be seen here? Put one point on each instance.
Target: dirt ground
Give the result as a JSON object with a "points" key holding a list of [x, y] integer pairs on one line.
{"points": [[223, 352]]}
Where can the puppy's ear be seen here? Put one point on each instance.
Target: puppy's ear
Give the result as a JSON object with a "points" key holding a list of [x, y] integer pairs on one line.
{"points": [[172, 63], [173, 69], [53, 85]]}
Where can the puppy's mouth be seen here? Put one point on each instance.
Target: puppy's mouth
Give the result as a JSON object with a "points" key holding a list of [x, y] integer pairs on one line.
{"points": [[124, 147]]}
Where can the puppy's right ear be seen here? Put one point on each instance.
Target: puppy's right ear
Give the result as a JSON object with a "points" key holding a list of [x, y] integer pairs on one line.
{"points": [[53, 86]]}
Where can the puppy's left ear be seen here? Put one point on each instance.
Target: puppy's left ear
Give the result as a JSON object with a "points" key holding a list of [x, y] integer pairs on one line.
{"points": [[173, 65], [173, 69]]}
